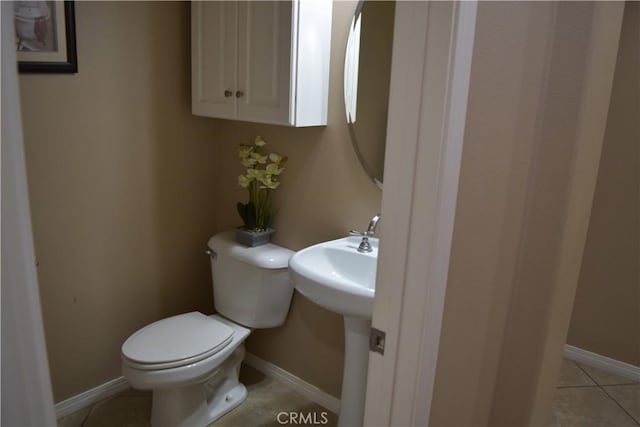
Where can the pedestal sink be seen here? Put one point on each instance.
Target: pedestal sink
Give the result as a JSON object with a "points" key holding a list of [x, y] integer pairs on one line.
{"points": [[337, 277]]}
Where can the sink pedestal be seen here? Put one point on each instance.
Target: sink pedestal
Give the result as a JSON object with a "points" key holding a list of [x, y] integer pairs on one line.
{"points": [[336, 276], [354, 377]]}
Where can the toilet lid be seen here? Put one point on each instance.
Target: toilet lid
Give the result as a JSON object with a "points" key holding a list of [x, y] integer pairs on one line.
{"points": [[184, 337]]}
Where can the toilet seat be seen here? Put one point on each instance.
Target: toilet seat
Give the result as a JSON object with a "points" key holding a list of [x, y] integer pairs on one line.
{"points": [[176, 341]]}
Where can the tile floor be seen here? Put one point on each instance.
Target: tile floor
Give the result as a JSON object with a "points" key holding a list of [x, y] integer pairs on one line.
{"points": [[585, 397], [590, 397], [266, 398]]}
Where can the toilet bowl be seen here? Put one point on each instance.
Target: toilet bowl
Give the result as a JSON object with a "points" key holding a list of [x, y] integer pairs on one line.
{"points": [[191, 361]]}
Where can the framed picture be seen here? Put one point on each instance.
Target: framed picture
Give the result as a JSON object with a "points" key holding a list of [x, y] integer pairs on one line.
{"points": [[45, 36]]}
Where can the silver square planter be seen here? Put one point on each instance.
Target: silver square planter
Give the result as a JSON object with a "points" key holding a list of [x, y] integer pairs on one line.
{"points": [[252, 238]]}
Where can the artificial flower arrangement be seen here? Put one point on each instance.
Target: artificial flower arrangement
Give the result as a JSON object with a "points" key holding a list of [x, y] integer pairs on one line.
{"points": [[261, 177]]}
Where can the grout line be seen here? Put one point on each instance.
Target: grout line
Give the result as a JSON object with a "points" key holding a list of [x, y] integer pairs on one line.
{"points": [[93, 405], [573, 362], [86, 417], [609, 396], [593, 380], [618, 403], [603, 385], [621, 385], [578, 386], [587, 374]]}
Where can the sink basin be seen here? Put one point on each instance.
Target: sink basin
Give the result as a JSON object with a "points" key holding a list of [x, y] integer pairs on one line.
{"points": [[336, 276]]}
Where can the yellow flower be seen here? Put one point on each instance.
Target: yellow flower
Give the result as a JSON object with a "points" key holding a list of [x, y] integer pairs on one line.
{"points": [[244, 151], [268, 182], [259, 142], [272, 185], [259, 158], [261, 175], [244, 181], [273, 169], [255, 173], [275, 158], [265, 178], [248, 162]]}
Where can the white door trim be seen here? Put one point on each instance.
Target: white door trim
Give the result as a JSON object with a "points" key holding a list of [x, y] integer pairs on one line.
{"points": [[433, 45], [26, 387]]}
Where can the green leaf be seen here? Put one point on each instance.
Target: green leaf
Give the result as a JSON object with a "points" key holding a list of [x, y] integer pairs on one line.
{"points": [[242, 211], [268, 217], [250, 220]]}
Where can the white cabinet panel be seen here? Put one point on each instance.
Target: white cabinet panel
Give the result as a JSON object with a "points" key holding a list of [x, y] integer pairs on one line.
{"points": [[262, 61], [214, 58]]}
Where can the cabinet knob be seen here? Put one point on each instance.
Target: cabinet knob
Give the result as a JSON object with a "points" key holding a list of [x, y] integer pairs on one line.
{"points": [[227, 93], [239, 94]]}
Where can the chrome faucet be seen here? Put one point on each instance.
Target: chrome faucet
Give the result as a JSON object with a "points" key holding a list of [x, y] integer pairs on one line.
{"points": [[365, 245], [373, 224]]}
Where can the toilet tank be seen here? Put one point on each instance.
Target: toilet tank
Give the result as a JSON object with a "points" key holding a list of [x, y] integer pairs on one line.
{"points": [[251, 286]]}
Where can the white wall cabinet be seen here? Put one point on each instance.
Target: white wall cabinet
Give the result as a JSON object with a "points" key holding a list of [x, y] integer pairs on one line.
{"points": [[261, 61]]}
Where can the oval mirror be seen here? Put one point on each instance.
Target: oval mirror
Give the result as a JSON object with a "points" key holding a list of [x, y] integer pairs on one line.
{"points": [[367, 75]]}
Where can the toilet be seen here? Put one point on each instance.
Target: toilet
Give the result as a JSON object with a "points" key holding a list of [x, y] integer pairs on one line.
{"points": [[191, 361]]}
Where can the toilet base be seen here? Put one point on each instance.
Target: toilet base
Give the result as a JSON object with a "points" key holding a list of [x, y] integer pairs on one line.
{"points": [[203, 403]]}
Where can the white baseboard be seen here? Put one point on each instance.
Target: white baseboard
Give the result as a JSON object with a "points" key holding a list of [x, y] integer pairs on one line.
{"points": [[89, 397], [309, 391], [117, 385], [602, 362]]}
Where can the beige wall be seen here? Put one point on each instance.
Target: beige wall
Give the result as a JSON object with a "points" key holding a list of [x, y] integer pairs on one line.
{"points": [[126, 186], [324, 193], [606, 312], [121, 180]]}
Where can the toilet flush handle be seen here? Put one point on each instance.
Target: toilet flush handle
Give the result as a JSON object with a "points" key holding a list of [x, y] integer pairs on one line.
{"points": [[211, 252]]}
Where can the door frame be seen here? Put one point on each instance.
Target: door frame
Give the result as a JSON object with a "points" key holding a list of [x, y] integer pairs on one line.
{"points": [[433, 47], [431, 67], [27, 398]]}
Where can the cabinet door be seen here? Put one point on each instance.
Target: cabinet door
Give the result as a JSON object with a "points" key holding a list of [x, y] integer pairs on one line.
{"points": [[214, 47], [264, 63]]}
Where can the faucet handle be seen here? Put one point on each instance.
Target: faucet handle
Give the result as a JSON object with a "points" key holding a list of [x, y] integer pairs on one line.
{"points": [[373, 224], [371, 230]]}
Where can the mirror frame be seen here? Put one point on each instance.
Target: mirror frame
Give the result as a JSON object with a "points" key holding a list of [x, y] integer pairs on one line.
{"points": [[367, 168]]}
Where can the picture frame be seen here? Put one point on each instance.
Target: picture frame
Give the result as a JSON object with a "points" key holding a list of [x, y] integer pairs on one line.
{"points": [[45, 36]]}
